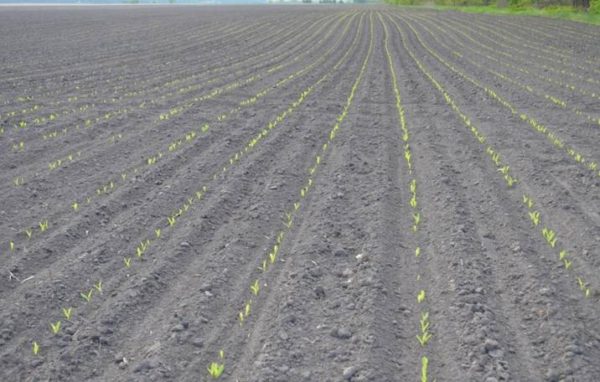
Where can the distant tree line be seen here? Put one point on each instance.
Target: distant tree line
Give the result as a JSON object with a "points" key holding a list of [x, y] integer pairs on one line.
{"points": [[593, 6]]}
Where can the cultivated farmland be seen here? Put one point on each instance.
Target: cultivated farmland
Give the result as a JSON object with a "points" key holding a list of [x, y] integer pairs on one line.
{"points": [[309, 193]]}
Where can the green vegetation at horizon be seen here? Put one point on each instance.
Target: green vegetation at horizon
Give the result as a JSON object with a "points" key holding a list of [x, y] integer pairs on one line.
{"points": [[515, 7]]}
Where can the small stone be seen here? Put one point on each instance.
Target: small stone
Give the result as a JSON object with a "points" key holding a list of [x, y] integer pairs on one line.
{"points": [[178, 328], [197, 342], [319, 293], [306, 374], [205, 287], [185, 244], [552, 376], [119, 357], [349, 372], [341, 333], [283, 335], [340, 253], [490, 345]]}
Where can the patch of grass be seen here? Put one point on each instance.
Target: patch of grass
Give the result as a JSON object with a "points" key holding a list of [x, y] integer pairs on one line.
{"points": [[556, 12]]}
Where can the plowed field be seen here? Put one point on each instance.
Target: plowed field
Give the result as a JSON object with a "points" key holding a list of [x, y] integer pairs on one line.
{"points": [[305, 193]]}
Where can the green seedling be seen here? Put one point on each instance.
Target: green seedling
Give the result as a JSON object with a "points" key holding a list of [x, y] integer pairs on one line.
{"points": [[510, 181], [247, 309], [28, 232], [424, 338], [127, 261], [87, 296], [36, 348], [421, 296], [424, 321], [535, 217], [413, 186], [418, 252], [171, 221], [98, 286], [68, 313], [255, 288], [157, 233], [504, 170], [563, 254], [417, 218], [272, 257], [424, 366], [241, 318], [43, 225], [413, 201], [296, 206], [264, 266], [75, 206], [55, 327], [11, 244], [550, 236], [528, 201], [215, 369], [567, 263]]}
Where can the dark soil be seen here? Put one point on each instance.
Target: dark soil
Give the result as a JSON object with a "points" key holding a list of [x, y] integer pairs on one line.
{"points": [[116, 119]]}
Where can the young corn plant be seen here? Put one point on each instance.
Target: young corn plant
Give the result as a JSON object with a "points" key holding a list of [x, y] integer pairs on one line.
{"points": [[421, 296], [424, 367], [43, 225], [67, 313], [215, 369], [55, 327], [255, 288], [87, 296], [127, 261], [535, 217], [550, 236], [98, 286], [36, 348]]}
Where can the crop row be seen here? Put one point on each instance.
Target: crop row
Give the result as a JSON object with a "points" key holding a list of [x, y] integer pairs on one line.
{"points": [[424, 332], [525, 200], [152, 99], [269, 259], [538, 127], [545, 77], [187, 138], [553, 99], [170, 221]]}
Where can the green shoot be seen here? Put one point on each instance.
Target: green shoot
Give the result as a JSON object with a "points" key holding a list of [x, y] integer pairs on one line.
{"points": [[36, 348], [255, 287], [215, 369], [43, 225], [418, 252], [28, 232], [12, 246], [535, 217], [55, 327], [567, 263], [127, 261], [424, 366], [424, 338], [421, 296], [75, 206], [171, 221], [562, 255], [68, 313], [550, 236], [87, 296], [98, 286], [157, 233]]}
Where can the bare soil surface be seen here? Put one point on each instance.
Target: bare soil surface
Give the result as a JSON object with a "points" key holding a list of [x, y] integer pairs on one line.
{"points": [[308, 193]]}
